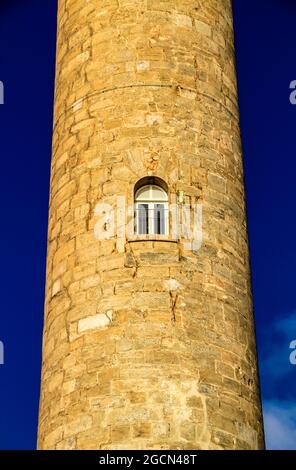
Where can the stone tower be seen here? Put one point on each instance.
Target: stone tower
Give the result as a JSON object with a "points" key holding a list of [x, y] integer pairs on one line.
{"points": [[149, 338]]}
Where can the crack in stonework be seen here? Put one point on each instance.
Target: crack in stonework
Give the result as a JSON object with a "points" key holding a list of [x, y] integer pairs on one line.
{"points": [[174, 299], [109, 318]]}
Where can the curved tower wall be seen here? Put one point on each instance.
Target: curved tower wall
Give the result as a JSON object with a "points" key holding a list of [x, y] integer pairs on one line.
{"points": [[148, 343]]}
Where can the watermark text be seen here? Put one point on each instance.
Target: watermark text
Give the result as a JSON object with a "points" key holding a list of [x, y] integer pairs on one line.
{"points": [[1, 93], [1, 353], [293, 353], [293, 93], [176, 221]]}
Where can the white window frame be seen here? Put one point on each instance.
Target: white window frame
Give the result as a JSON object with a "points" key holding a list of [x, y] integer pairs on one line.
{"points": [[151, 202]]}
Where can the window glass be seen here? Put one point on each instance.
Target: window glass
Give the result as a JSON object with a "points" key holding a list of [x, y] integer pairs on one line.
{"points": [[151, 211]]}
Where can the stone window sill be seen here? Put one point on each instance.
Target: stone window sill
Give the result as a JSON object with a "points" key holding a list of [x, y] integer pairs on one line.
{"points": [[152, 238]]}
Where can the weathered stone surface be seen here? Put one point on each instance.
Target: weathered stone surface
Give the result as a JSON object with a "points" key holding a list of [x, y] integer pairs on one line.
{"points": [[147, 344], [102, 320]]}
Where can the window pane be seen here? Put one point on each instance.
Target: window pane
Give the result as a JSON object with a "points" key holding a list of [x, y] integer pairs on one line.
{"points": [[159, 219], [151, 193], [143, 194], [158, 194], [142, 218]]}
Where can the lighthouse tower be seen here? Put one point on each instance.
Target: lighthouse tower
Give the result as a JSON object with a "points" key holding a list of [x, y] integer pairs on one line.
{"points": [[149, 336]]}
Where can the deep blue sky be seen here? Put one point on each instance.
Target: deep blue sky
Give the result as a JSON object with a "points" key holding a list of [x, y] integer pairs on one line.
{"points": [[265, 42]]}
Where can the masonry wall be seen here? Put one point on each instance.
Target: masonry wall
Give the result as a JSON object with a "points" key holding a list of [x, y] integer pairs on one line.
{"points": [[147, 345]]}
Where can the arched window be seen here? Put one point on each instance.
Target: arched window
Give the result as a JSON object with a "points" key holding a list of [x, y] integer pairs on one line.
{"points": [[151, 210]]}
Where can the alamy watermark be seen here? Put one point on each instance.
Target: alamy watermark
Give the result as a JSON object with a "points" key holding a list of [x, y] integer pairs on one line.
{"points": [[293, 353], [171, 221], [293, 93], [1, 353], [1, 93]]}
